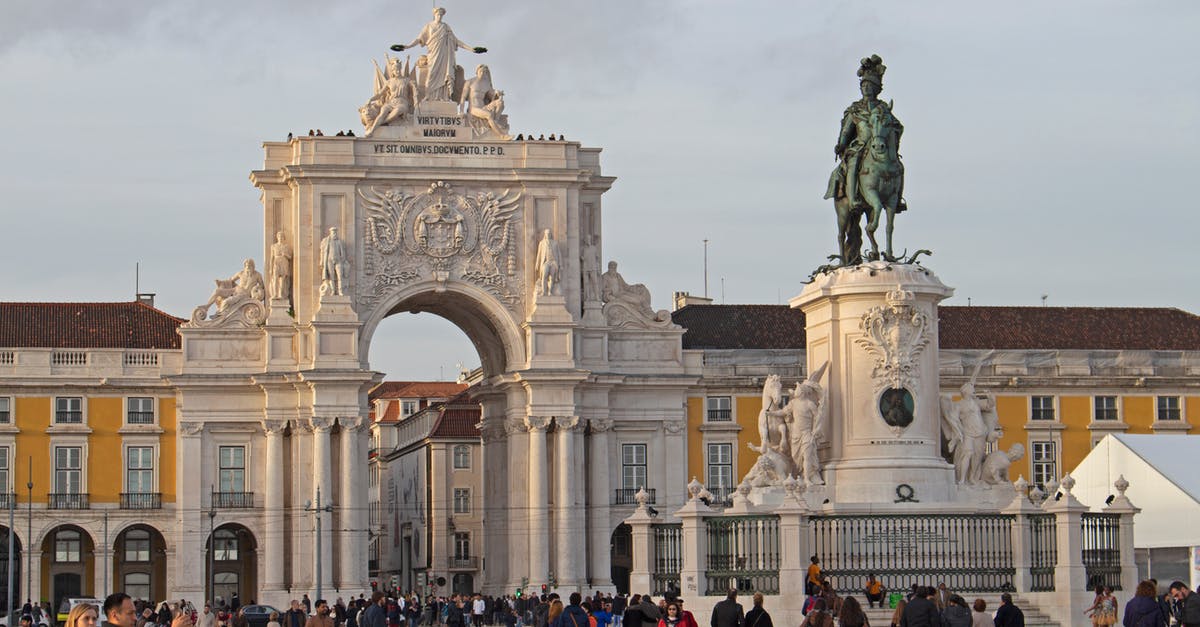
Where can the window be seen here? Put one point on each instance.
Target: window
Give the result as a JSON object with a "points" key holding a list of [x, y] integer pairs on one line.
{"points": [[68, 410], [1168, 408], [226, 546], [1106, 408], [633, 466], [718, 409], [408, 408], [4, 467], [137, 546], [1042, 407], [139, 411], [462, 500], [68, 469], [720, 466], [5, 410], [462, 546], [137, 585], [233, 469], [1045, 466], [139, 470], [67, 546], [462, 456]]}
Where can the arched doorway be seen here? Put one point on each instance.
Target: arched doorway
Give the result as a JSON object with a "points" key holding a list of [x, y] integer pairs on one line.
{"points": [[16, 568], [68, 561], [232, 564], [622, 557], [463, 583], [139, 564]]}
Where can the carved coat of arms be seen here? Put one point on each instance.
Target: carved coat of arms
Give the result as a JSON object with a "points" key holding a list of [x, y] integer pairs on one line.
{"points": [[895, 335]]}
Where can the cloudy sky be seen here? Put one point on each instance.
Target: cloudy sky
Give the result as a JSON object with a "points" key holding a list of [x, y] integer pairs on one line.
{"points": [[1048, 145]]}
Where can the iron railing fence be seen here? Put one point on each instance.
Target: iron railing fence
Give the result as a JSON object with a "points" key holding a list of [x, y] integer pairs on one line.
{"points": [[1043, 551], [743, 554], [1102, 550], [668, 558], [969, 552]]}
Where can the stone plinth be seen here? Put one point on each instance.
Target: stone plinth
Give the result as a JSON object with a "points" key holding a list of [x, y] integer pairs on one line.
{"points": [[876, 325]]}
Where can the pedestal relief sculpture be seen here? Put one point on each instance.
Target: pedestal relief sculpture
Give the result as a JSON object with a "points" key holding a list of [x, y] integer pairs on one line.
{"points": [[240, 300], [628, 305], [805, 416], [335, 264], [437, 74], [548, 266], [894, 335], [969, 425], [281, 269]]}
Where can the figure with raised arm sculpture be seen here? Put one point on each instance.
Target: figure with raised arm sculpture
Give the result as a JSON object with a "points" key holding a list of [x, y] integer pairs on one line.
{"points": [[439, 70]]}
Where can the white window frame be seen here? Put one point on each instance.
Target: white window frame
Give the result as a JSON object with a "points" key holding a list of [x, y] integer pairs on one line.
{"points": [[710, 465], [153, 467], [153, 410], [245, 468], [6, 469], [461, 535], [454, 451], [79, 554], [149, 546], [1116, 408], [644, 465], [7, 409], [1178, 409], [416, 407], [1036, 461], [462, 500], [1033, 409], [82, 411], [718, 400], [82, 469]]}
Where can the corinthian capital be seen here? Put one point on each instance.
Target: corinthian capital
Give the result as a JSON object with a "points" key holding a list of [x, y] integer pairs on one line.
{"points": [[191, 427], [569, 423], [274, 427], [601, 425], [352, 423], [537, 423], [320, 425]]}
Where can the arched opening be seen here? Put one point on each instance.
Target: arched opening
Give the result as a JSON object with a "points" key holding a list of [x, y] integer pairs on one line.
{"points": [[232, 564], [463, 583], [622, 557], [4, 568], [139, 563], [68, 564]]}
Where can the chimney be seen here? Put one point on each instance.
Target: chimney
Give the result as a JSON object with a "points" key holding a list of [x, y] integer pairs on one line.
{"points": [[145, 299]]}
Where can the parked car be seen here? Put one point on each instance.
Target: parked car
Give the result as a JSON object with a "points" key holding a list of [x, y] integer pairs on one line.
{"points": [[68, 604], [259, 615]]}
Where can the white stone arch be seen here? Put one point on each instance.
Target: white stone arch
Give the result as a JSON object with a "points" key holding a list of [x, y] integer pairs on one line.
{"points": [[486, 321], [123, 526]]}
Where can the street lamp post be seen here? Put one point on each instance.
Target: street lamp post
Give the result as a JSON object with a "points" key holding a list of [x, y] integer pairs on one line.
{"points": [[317, 509], [29, 536], [212, 549]]}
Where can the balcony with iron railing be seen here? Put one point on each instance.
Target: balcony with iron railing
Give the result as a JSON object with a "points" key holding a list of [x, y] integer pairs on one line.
{"points": [[64, 500], [141, 500], [233, 500], [459, 562], [720, 415], [7, 500], [628, 496]]}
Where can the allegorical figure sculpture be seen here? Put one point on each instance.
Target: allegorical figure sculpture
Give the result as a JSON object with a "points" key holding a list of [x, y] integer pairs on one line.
{"points": [[395, 96], [484, 104], [335, 264], [281, 268], [438, 73], [969, 425], [239, 298], [996, 464], [589, 260], [547, 265], [805, 418], [869, 178], [627, 304]]}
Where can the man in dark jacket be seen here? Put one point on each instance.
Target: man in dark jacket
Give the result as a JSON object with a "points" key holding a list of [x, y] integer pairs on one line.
{"points": [[728, 613], [375, 615], [650, 612], [1009, 615], [921, 610], [1189, 602], [573, 615]]}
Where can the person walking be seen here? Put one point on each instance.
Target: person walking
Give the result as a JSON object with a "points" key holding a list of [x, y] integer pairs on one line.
{"points": [[956, 614], [852, 614], [979, 615], [1008, 615], [727, 612], [375, 615], [572, 615], [921, 610], [898, 613], [321, 619], [757, 616], [818, 616], [1189, 603], [1103, 611], [1143, 609], [674, 617]]}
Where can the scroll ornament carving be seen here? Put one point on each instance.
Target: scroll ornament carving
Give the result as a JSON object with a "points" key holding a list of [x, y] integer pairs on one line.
{"points": [[274, 427], [352, 423], [601, 425], [628, 305], [441, 234], [189, 427], [569, 423], [321, 424], [537, 423], [492, 431], [895, 335], [674, 427], [240, 301], [513, 426]]}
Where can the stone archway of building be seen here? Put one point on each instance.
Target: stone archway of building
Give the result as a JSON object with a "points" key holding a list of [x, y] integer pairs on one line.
{"points": [[17, 566], [622, 557], [490, 328], [463, 583], [68, 561], [139, 563], [233, 564]]}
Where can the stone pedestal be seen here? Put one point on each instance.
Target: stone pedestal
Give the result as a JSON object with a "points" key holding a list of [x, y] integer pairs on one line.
{"points": [[876, 325]]}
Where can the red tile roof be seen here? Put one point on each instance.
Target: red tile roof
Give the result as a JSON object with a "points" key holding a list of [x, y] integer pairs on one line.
{"points": [[416, 389], [459, 418], [1012, 328], [87, 325], [391, 414]]}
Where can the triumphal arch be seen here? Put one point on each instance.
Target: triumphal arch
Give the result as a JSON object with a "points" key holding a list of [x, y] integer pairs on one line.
{"points": [[433, 207]]}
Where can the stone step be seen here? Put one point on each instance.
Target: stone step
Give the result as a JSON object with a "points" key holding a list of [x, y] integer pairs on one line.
{"points": [[1034, 617]]}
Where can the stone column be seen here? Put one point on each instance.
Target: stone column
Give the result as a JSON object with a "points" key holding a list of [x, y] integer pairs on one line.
{"points": [[1070, 577], [794, 545], [641, 571], [1122, 506], [539, 514], [567, 532], [273, 507], [599, 534], [191, 513], [352, 575], [692, 545], [517, 549], [1022, 535], [322, 484]]}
